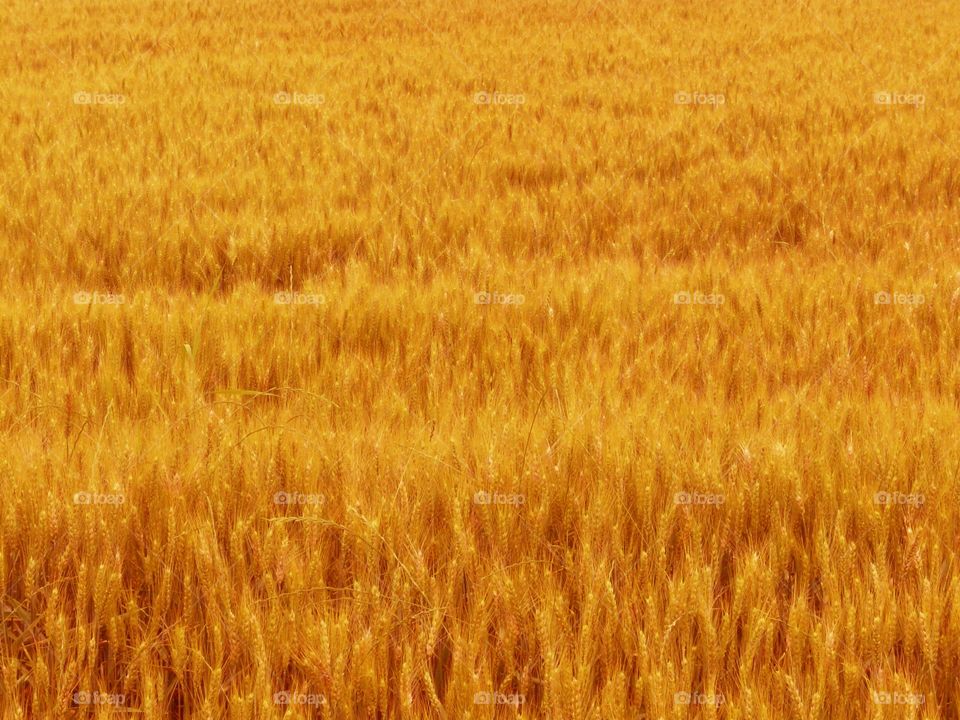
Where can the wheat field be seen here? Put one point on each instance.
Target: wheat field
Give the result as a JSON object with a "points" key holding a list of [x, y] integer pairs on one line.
{"points": [[536, 358]]}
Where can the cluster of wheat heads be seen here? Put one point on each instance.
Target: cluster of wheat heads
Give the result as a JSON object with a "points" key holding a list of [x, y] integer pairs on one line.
{"points": [[406, 359]]}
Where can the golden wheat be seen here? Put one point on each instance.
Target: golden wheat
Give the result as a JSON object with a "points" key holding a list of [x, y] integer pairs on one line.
{"points": [[530, 359]]}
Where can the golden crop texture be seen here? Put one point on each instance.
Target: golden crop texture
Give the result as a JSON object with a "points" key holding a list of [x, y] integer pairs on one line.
{"points": [[413, 359]]}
